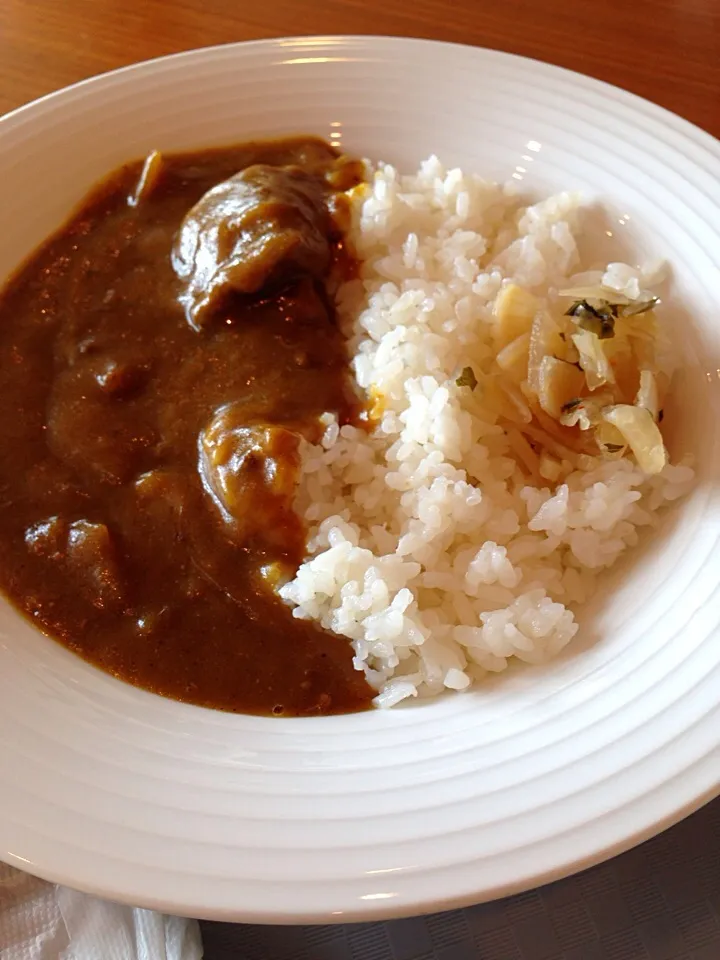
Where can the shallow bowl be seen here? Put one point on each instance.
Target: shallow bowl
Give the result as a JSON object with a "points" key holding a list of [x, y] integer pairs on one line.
{"points": [[547, 770]]}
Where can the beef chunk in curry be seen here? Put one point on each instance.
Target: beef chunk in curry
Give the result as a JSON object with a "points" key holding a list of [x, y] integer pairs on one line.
{"points": [[262, 225], [250, 472], [166, 351], [86, 552]]}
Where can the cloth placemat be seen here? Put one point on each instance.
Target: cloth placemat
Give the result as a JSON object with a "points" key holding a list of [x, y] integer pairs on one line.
{"points": [[660, 901]]}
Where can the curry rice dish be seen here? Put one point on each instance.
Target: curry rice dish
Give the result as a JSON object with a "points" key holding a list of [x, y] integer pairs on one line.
{"points": [[295, 434]]}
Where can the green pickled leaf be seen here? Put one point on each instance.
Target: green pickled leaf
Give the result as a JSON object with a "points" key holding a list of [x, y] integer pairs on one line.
{"points": [[467, 378]]}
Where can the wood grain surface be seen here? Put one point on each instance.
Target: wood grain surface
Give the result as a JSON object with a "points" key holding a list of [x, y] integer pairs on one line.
{"points": [[665, 50]]}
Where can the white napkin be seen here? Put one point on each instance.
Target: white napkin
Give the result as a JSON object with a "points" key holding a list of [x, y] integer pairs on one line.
{"points": [[40, 921]]}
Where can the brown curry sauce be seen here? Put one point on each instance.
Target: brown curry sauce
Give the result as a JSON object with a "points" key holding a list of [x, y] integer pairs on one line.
{"points": [[110, 540]]}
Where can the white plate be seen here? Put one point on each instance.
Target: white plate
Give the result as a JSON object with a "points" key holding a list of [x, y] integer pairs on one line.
{"points": [[116, 791]]}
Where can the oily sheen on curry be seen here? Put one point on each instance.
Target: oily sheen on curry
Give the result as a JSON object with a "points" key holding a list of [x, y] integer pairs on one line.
{"points": [[167, 349]]}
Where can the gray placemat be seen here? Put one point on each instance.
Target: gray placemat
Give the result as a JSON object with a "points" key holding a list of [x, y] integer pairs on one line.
{"points": [[660, 901]]}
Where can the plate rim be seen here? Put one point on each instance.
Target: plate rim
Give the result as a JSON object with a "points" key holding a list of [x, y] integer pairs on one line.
{"points": [[664, 113], [697, 795]]}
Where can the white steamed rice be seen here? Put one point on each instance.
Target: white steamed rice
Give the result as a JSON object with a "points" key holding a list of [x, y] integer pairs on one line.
{"points": [[428, 549]]}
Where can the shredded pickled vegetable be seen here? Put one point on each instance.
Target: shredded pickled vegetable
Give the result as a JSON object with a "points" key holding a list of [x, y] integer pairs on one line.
{"points": [[587, 373]]}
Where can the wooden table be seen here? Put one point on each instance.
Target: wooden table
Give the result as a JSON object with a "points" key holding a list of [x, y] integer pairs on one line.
{"points": [[665, 50]]}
